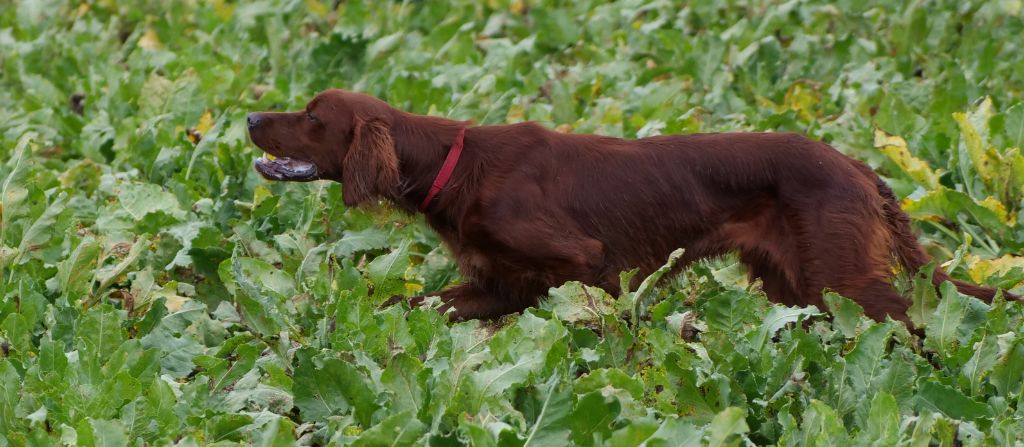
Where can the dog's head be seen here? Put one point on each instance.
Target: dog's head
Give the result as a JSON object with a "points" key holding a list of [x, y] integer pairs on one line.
{"points": [[340, 136]]}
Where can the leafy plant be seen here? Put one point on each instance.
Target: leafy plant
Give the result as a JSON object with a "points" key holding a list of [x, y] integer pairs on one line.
{"points": [[156, 291]]}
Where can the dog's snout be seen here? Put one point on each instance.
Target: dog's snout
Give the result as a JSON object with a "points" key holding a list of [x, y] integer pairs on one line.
{"points": [[254, 120]]}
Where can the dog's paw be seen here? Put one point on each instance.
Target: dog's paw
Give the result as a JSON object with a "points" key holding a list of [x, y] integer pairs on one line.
{"points": [[412, 301]]}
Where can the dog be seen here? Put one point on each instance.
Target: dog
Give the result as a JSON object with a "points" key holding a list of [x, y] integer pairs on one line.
{"points": [[523, 208]]}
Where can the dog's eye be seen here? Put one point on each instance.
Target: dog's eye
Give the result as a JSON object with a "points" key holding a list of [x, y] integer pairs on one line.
{"points": [[312, 118]]}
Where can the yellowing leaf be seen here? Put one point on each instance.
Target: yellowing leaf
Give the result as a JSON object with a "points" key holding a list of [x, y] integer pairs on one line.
{"points": [[150, 41], [517, 7], [260, 194], [802, 99], [997, 207], [316, 7], [895, 148], [413, 288], [980, 269], [1012, 7], [768, 104], [1015, 161], [205, 124], [884, 139], [981, 159], [174, 301], [223, 9], [943, 202], [516, 114]]}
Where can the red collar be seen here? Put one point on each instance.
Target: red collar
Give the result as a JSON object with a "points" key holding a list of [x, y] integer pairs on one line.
{"points": [[446, 169]]}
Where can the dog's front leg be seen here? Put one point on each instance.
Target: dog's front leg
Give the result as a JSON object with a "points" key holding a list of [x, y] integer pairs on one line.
{"points": [[469, 301]]}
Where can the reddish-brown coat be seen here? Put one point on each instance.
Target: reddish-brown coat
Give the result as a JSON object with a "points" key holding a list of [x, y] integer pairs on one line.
{"points": [[528, 208]]}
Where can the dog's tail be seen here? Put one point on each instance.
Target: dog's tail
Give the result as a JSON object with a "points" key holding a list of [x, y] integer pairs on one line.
{"points": [[909, 252]]}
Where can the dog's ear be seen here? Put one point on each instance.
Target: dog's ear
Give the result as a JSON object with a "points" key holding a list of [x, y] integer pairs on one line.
{"points": [[370, 168]]}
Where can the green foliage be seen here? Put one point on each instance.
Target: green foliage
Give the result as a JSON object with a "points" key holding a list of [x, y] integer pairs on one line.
{"points": [[156, 291]]}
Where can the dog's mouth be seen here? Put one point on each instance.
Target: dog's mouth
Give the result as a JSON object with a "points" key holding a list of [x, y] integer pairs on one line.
{"points": [[285, 168]]}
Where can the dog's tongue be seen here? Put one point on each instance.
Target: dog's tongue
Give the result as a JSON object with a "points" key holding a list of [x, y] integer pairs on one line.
{"points": [[285, 168]]}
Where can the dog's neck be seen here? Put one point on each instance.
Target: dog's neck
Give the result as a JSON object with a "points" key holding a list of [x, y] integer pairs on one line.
{"points": [[422, 143]]}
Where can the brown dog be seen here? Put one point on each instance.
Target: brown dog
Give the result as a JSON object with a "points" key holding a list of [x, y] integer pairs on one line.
{"points": [[526, 208]]}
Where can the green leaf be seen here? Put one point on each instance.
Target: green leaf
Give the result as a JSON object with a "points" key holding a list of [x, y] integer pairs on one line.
{"points": [[106, 277], [552, 424], [977, 368], [925, 299], [883, 424], [333, 387], [634, 433], [674, 432], [639, 298], [244, 362], [866, 361], [261, 291], [899, 375], [228, 427], [279, 432], [610, 377], [143, 199], [107, 433], [592, 417], [387, 272], [397, 429], [1014, 125], [777, 318], [845, 312], [1006, 373], [404, 377], [933, 396], [942, 333], [51, 357], [99, 332], [726, 312], [177, 345], [44, 228], [728, 427], [75, 274], [575, 302], [356, 241], [18, 333], [822, 426], [10, 395], [496, 380]]}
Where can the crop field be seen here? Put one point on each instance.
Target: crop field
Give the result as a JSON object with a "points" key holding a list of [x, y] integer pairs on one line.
{"points": [[157, 291]]}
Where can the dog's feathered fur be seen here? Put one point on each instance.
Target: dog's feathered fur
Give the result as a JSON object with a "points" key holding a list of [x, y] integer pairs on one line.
{"points": [[528, 208]]}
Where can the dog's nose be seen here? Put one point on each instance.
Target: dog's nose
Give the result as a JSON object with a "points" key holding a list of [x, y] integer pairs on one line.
{"points": [[253, 120]]}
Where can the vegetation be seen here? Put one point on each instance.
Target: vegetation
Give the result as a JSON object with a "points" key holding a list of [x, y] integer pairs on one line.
{"points": [[156, 291]]}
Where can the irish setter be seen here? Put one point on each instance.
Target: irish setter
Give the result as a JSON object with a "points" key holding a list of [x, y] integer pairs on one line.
{"points": [[526, 208]]}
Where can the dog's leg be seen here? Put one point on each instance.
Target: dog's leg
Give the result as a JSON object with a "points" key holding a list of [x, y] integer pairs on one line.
{"points": [[773, 281], [850, 254], [469, 301], [527, 257]]}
